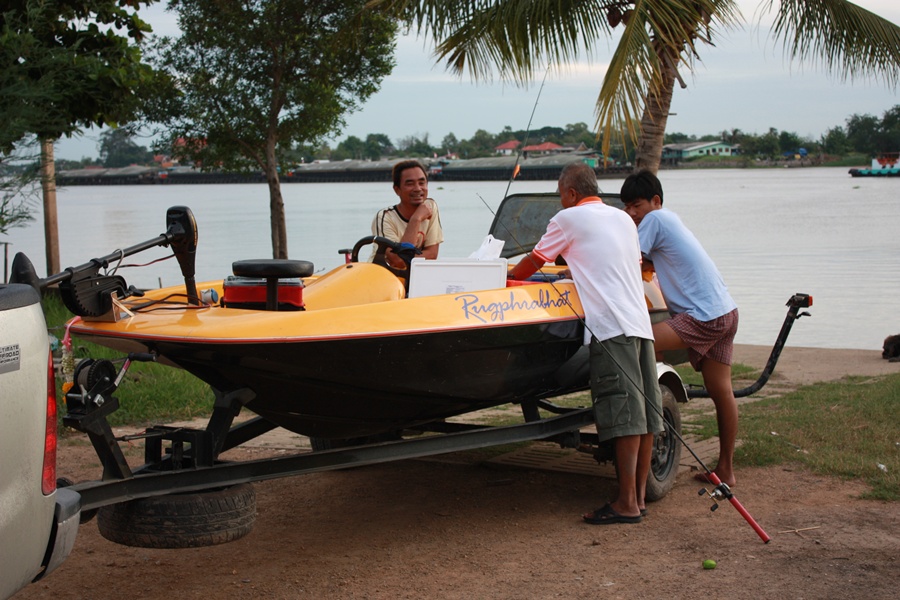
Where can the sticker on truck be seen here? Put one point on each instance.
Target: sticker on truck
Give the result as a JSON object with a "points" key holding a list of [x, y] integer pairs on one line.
{"points": [[9, 358]]}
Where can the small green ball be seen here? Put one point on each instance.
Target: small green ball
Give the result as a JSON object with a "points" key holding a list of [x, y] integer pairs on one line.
{"points": [[709, 564]]}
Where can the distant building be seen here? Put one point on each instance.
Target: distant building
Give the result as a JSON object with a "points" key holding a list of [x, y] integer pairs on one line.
{"points": [[673, 153], [508, 148], [580, 147], [545, 148]]}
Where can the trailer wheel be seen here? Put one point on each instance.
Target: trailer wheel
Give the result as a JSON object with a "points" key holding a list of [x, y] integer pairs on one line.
{"points": [[181, 520], [666, 450]]}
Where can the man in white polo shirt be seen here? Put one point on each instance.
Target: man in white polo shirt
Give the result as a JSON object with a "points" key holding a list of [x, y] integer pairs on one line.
{"points": [[600, 246]]}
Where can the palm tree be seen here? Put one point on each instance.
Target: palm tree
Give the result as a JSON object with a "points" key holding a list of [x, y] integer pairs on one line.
{"points": [[519, 38]]}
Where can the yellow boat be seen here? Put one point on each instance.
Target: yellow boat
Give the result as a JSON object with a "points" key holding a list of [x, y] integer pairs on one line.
{"points": [[349, 354]]}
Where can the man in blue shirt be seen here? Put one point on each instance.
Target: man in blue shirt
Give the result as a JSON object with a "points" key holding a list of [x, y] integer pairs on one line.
{"points": [[705, 317]]}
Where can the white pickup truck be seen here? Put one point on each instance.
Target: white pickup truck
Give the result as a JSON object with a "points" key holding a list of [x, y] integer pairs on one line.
{"points": [[38, 522]]}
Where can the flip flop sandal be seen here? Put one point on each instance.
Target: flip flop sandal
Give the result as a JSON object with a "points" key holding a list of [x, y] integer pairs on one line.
{"points": [[606, 515]]}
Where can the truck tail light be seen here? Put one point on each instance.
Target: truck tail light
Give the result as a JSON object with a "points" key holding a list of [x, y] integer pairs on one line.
{"points": [[48, 479]]}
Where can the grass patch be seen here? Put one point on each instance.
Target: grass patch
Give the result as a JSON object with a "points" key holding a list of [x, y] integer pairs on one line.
{"points": [[690, 377], [849, 160], [843, 429], [150, 393]]}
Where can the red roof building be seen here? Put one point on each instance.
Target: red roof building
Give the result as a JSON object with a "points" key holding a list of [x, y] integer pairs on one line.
{"points": [[508, 148], [545, 148]]}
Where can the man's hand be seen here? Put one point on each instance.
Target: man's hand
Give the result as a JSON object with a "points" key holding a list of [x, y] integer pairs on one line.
{"points": [[423, 213]]}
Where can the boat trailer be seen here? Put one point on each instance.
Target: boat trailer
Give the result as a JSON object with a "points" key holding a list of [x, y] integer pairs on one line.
{"points": [[190, 462]]}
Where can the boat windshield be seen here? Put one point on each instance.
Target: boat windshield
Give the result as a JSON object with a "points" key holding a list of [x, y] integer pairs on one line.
{"points": [[522, 219]]}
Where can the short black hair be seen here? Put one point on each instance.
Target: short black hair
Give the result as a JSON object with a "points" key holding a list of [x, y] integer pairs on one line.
{"points": [[641, 185], [397, 170]]}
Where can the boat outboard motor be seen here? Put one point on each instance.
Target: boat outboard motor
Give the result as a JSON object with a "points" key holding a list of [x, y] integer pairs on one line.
{"points": [[181, 228]]}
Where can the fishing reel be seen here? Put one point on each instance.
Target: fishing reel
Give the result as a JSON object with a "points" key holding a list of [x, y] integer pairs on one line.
{"points": [[719, 493]]}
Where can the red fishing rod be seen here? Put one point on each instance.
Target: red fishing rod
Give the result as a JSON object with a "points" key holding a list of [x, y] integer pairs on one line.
{"points": [[723, 492]]}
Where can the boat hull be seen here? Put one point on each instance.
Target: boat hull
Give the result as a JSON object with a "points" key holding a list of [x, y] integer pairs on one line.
{"points": [[377, 367], [368, 386]]}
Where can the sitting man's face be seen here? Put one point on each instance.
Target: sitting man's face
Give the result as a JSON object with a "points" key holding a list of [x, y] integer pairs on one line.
{"points": [[413, 188]]}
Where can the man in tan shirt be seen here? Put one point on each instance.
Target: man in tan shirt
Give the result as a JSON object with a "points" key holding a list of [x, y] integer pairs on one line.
{"points": [[415, 219]]}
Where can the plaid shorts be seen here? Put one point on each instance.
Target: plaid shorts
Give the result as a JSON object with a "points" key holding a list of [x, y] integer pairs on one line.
{"points": [[706, 339]]}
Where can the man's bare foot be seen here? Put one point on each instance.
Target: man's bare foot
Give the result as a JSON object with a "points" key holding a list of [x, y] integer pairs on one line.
{"points": [[729, 481]]}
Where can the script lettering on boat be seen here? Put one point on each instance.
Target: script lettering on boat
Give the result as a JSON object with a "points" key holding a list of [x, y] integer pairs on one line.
{"points": [[474, 308]]}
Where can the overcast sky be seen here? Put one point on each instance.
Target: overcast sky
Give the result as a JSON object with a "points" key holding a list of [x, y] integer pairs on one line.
{"points": [[744, 82]]}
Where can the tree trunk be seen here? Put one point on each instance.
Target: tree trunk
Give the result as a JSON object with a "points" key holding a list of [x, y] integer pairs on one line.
{"points": [[51, 227], [648, 153], [276, 205]]}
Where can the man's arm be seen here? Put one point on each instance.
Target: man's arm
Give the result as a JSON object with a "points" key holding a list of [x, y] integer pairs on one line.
{"points": [[527, 267], [431, 252]]}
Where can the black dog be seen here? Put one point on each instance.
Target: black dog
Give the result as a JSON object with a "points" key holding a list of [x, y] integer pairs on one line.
{"points": [[891, 348]]}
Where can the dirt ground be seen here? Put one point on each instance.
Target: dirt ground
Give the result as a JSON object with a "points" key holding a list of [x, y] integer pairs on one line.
{"points": [[458, 527]]}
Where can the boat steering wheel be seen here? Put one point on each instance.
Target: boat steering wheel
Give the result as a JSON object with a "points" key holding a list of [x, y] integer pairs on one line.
{"points": [[404, 251]]}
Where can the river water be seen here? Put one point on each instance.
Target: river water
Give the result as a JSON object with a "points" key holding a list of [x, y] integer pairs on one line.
{"points": [[772, 233]]}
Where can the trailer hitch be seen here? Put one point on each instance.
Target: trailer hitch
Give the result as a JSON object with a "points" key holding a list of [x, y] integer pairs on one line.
{"points": [[794, 304]]}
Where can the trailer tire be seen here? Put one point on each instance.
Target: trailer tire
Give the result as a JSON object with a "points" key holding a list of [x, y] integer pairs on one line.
{"points": [[187, 520], [666, 450]]}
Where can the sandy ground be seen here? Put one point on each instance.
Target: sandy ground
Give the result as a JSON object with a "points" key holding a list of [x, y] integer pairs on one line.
{"points": [[459, 527]]}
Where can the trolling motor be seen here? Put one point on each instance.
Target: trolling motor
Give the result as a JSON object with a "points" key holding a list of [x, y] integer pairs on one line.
{"points": [[182, 228], [87, 293]]}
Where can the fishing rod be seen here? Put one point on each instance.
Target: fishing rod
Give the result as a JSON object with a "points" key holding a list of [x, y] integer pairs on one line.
{"points": [[721, 491], [515, 169]]}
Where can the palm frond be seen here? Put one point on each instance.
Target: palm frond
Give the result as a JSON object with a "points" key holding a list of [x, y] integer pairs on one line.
{"points": [[514, 39], [655, 29], [847, 40], [622, 94]]}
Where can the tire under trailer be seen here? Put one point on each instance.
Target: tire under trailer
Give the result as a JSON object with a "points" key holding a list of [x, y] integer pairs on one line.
{"points": [[187, 520], [666, 449]]}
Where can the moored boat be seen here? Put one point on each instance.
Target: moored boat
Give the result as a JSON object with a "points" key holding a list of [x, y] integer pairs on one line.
{"points": [[885, 165]]}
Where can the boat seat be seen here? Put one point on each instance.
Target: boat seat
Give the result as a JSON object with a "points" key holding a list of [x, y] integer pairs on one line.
{"points": [[272, 269]]}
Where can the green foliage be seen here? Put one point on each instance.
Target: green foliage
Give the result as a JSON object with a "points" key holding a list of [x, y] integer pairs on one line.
{"points": [[253, 76], [870, 135], [834, 141], [849, 160], [19, 186], [67, 65], [118, 149], [414, 145]]}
